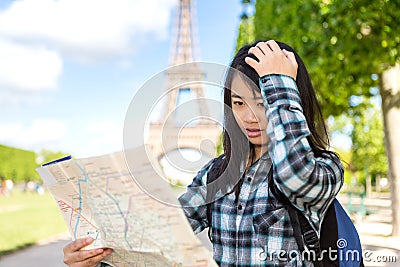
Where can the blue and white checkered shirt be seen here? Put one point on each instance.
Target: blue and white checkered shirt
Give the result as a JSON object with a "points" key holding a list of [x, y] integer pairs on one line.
{"points": [[256, 230]]}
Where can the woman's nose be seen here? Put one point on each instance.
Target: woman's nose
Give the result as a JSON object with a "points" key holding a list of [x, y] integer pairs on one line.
{"points": [[249, 115]]}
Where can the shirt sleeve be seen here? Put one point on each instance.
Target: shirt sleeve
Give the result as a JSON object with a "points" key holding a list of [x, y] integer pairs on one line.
{"points": [[193, 201], [311, 183]]}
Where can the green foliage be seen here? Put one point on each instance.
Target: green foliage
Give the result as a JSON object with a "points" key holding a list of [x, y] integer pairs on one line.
{"points": [[342, 42], [220, 145], [245, 33], [20, 165], [369, 156], [345, 157], [17, 164]]}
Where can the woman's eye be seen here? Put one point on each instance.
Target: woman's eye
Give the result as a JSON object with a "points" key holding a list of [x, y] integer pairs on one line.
{"points": [[238, 103], [260, 105]]}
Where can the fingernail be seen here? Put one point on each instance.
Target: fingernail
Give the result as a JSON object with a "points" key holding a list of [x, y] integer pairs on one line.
{"points": [[88, 239], [99, 250]]}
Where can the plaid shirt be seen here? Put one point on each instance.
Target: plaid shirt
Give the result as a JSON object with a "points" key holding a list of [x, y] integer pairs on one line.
{"points": [[256, 230]]}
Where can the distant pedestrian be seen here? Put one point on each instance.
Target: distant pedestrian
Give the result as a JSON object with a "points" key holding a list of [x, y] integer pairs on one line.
{"points": [[9, 186]]}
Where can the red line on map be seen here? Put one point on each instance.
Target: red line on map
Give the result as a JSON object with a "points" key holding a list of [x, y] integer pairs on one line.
{"points": [[65, 206]]}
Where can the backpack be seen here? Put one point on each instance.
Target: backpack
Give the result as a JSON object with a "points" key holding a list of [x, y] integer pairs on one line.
{"points": [[339, 243]]}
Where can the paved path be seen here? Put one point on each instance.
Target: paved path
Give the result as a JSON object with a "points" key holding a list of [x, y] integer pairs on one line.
{"points": [[46, 254]]}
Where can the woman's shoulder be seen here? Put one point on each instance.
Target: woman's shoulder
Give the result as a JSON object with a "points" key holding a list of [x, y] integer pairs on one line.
{"points": [[213, 163], [202, 176]]}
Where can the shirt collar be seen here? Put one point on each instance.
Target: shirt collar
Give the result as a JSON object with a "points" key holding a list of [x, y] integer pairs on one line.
{"points": [[259, 169]]}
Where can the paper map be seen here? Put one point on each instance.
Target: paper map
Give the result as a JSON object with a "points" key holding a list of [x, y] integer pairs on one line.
{"points": [[98, 197]]}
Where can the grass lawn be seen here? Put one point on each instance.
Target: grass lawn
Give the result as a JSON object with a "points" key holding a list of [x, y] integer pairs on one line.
{"points": [[26, 218]]}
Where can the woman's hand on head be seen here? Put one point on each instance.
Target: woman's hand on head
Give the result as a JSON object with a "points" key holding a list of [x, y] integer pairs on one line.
{"points": [[271, 59], [75, 257]]}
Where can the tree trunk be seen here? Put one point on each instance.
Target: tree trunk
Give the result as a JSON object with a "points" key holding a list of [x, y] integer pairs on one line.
{"points": [[390, 93]]}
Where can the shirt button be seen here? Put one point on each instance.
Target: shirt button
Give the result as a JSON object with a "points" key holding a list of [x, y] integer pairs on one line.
{"points": [[249, 179], [240, 207]]}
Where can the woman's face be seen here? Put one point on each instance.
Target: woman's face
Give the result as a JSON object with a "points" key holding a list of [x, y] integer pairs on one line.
{"points": [[249, 111]]}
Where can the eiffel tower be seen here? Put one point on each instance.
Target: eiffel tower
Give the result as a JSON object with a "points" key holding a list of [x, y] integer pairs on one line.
{"points": [[184, 126]]}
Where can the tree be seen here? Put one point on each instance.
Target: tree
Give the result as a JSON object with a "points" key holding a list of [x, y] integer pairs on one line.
{"points": [[17, 165], [246, 27], [390, 93], [245, 33], [368, 157], [345, 44]]}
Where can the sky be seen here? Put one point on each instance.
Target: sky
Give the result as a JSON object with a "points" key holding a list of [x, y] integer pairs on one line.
{"points": [[69, 68]]}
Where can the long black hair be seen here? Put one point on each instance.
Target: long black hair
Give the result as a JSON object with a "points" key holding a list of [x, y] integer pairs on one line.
{"points": [[237, 148]]}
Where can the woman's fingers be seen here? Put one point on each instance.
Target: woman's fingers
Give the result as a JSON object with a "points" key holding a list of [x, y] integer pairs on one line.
{"points": [[77, 245], [273, 45], [83, 255], [263, 47], [257, 52], [94, 260], [75, 256], [86, 257], [251, 61]]}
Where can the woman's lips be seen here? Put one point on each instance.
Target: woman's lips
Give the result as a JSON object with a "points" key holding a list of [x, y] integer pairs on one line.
{"points": [[253, 132]]}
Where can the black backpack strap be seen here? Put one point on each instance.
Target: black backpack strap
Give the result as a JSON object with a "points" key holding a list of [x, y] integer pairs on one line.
{"points": [[303, 232], [310, 238], [294, 220]]}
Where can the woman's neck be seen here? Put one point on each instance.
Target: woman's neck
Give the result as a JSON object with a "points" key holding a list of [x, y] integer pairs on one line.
{"points": [[259, 151]]}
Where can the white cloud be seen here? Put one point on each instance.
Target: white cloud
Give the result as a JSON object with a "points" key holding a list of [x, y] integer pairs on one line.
{"points": [[24, 68], [36, 36], [41, 133], [86, 29], [102, 137]]}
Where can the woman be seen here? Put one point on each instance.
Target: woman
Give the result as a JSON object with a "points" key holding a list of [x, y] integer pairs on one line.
{"points": [[271, 112]]}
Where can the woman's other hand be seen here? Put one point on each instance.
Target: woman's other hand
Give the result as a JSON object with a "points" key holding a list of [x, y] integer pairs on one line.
{"points": [[75, 257], [271, 59]]}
